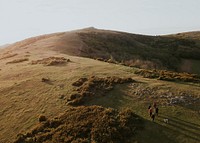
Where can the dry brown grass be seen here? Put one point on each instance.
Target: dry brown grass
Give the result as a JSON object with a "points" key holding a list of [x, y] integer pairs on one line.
{"points": [[93, 87], [8, 55], [51, 61], [86, 124], [24, 96], [18, 61], [168, 75]]}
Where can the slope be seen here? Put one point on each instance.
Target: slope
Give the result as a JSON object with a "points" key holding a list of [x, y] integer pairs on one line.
{"points": [[179, 52], [37, 78]]}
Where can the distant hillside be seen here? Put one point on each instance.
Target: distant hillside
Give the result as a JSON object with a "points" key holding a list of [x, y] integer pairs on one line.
{"points": [[173, 52], [4, 46], [179, 52]]}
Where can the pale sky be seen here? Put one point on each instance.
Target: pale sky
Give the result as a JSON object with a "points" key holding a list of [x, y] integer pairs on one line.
{"points": [[20, 19]]}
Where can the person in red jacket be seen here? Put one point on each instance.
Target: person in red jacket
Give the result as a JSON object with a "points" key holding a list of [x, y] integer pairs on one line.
{"points": [[157, 111]]}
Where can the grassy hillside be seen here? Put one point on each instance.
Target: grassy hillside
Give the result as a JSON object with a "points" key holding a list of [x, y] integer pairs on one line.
{"points": [[25, 97], [38, 79], [154, 52], [179, 52], [4, 46]]}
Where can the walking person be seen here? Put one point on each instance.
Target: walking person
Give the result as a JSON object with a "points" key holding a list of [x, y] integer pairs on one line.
{"points": [[153, 116], [150, 111], [157, 111], [149, 107]]}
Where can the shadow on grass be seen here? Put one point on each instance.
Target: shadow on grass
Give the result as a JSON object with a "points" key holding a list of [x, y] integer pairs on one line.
{"points": [[197, 84], [177, 131], [114, 99], [182, 122], [185, 128], [154, 133], [195, 106]]}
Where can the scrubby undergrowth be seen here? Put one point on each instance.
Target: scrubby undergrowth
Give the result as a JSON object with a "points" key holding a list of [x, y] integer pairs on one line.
{"points": [[93, 124], [51, 61], [18, 61], [168, 75], [94, 87]]}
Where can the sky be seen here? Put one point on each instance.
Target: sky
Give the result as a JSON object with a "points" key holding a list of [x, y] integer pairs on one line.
{"points": [[21, 19]]}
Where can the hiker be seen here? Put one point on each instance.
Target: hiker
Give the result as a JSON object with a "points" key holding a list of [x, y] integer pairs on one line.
{"points": [[157, 111], [150, 112], [149, 107], [153, 117]]}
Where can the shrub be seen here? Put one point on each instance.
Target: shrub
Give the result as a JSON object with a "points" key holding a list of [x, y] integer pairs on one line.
{"points": [[18, 61], [93, 87], [42, 118], [86, 124], [168, 75], [45, 79], [51, 61]]}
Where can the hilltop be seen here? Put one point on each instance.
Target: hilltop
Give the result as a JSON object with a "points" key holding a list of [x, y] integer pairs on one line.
{"points": [[49, 81], [179, 52]]}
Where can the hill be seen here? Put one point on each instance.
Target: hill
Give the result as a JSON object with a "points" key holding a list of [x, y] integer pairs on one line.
{"points": [[46, 80], [4, 46], [179, 52]]}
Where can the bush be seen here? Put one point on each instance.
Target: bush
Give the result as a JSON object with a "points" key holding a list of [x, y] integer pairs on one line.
{"points": [[93, 87], [168, 75], [86, 124], [18, 61], [42, 118]]}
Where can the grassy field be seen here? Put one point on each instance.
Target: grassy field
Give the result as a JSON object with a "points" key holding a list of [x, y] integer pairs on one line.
{"points": [[24, 96], [183, 126]]}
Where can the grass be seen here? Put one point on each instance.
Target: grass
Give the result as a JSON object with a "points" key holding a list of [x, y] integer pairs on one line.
{"points": [[169, 75], [24, 97], [17, 61], [8, 55], [183, 124], [37, 93], [23, 89], [161, 52]]}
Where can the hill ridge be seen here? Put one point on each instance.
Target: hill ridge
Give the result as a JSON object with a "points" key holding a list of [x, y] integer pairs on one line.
{"points": [[178, 52]]}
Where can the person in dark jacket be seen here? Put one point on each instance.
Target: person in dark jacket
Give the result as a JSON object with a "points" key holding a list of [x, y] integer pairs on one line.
{"points": [[149, 107], [153, 116], [150, 112], [157, 111]]}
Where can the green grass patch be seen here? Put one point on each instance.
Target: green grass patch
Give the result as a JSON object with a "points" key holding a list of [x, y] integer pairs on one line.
{"points": [[183, 126]]}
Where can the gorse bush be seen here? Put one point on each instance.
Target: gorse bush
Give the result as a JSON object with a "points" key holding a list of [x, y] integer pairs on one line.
{"points": [[93, 124], [168, 75], [94, 87], [51, 61]]}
